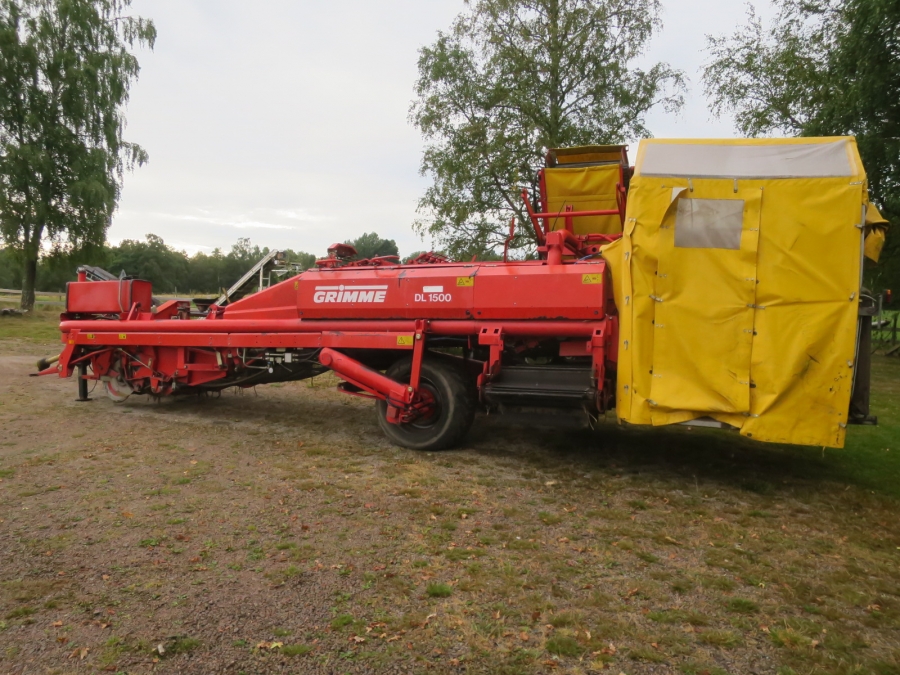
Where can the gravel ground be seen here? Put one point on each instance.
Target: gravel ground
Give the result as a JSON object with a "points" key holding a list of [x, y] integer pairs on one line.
{"points": [[277, 531]]}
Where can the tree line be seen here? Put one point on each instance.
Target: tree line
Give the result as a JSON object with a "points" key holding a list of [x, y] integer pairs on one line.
{"points": [[170, 270]]}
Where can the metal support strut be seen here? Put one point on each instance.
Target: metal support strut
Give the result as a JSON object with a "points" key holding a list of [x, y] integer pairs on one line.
{"points": [[82, 383]]}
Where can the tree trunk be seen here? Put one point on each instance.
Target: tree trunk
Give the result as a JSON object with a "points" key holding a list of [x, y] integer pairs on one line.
{"points": [[28, 280]]}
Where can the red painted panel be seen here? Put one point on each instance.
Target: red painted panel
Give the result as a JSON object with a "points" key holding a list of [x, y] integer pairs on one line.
{"points": [[431, 292], [541, 292], [107, 297], [527, 290]]}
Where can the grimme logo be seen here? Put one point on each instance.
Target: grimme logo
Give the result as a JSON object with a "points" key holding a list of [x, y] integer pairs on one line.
{"points": [[349, 294]]}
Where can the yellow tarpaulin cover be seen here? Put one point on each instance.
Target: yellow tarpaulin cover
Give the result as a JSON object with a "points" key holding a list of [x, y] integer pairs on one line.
{"points": [[586, 188], [876, 232], [737, 281]]}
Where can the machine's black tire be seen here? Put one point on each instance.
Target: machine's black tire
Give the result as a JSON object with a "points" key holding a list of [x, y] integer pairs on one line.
{"points": [[452, 389]]}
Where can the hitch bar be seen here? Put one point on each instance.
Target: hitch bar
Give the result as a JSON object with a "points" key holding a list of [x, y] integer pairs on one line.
{"points": [[405, 404]]}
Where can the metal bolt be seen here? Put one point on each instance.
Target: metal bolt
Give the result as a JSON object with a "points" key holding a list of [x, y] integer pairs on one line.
{"points": [[409, 389]]}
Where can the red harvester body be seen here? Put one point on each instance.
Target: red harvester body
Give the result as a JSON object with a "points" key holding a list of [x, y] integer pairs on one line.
{"points": [[431, 341]]}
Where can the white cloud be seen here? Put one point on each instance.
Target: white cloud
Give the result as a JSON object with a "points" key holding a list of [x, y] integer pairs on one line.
{"points": [[286, 121]]}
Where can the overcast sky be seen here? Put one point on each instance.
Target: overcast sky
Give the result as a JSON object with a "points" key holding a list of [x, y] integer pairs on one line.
{"points": [[285, 121]]}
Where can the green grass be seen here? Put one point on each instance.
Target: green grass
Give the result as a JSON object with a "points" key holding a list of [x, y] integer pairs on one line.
{"points": [[438, 591], [41, 326], [711, 548], [341, 621], [296, 650], [871, 457], [743, 606], [720, 638], [563, 645], [180, 645]]}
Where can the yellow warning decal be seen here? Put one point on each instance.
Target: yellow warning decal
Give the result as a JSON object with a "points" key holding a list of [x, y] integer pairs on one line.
{"points": [[592, 278], [296, 285], [91, 336], [465, 281], [123, 336], [405, 340]]}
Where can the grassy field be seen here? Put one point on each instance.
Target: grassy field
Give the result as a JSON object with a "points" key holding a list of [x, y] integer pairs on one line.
{"points": [[278, 532], [38, 326]]}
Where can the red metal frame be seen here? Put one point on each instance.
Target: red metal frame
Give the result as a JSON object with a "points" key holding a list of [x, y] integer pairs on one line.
{"points": [[583, 244], [562, 302]]}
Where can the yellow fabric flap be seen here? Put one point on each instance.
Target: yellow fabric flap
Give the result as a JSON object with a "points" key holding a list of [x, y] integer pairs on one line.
{"points": [[587, 188], [876, 232], [875, 243]]}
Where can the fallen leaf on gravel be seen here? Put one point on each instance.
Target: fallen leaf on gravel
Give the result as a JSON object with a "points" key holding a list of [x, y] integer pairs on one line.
{"points": [[127, 514], [269, 645], [80, 652], [105, 577], [523, 636], [393, 639], [160, 649], [62, 639], [56, 624], [454, 662]]}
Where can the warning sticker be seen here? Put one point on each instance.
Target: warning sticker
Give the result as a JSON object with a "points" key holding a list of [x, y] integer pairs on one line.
{"points": [[123, 336], [405, 340], [465, 281], [592, 278]]}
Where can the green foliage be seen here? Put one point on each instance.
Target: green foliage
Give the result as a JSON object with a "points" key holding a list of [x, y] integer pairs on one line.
{"points": [[823, 68], [512, 78], [370, 245], [65, 71], [171, 271]]}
